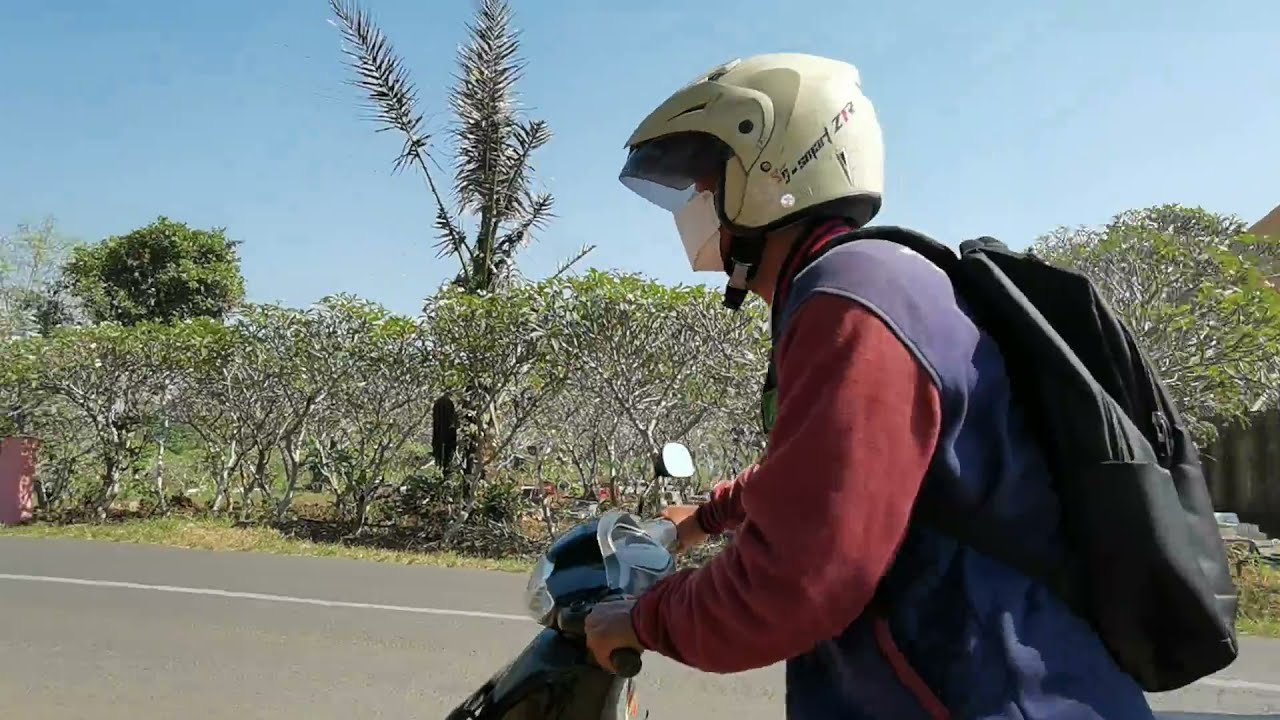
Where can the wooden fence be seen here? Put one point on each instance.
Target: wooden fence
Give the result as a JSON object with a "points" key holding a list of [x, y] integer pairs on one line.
{"points": [[1243, 468]]}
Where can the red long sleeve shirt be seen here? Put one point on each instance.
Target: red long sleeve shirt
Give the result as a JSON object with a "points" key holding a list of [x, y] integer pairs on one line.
{"points": [[820, 519], [724, 510]]}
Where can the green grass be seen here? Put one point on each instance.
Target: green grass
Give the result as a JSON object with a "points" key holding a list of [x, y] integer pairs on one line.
{"points": [[1259, 599], [1259, 628], [213, 534]]}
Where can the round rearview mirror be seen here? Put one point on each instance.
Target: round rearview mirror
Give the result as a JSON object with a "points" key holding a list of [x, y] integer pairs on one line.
{"points": [[674, 461]]}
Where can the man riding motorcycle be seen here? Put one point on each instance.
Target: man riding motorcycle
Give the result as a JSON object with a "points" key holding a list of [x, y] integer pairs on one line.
{"points": [[881, 388]]}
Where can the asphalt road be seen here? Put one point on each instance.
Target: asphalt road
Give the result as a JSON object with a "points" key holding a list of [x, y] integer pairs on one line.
{"points": [[106, 631]]}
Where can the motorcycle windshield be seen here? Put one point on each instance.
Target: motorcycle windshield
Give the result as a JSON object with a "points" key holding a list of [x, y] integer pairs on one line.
{"points": [[634, 560]]}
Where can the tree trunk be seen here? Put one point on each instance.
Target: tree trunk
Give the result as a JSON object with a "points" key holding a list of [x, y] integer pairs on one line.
{"points": [[476, 455], [112, 469], [258, 480], [246, 503], [222, 482], [162, 503], [260, 467], [53, 481], [363, 499], [292, 461], [42, 495], [469, 487], [548, 516], [115, 458], [611, 473]]}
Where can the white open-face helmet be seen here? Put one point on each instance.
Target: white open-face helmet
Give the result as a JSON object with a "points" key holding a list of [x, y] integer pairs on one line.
{"points": [[756, 145]]}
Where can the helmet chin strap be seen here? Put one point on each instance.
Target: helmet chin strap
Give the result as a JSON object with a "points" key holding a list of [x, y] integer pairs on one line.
{"points": [[742, 262], [741, 265]]}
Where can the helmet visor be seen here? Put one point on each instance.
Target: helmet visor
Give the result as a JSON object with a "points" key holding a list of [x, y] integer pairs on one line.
{"points": [[669, 171]]}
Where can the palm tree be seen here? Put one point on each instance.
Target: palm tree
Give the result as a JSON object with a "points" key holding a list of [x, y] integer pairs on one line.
{"points": [[492, 143], [492, 147]]}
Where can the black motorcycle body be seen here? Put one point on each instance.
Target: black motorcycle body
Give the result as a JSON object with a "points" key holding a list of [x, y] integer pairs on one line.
{"points": [[607, 558], [555, 675]]}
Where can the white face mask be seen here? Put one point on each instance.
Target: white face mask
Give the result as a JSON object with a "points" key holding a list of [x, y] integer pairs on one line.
{"points": [[699, 227]]}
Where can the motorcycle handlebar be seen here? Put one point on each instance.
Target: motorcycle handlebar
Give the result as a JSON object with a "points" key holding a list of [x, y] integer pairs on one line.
{"points": [[626, 661]]}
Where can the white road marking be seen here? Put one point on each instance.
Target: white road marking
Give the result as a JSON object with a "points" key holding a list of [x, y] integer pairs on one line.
{"points": [[262, 596], [1229, 684], [1223, 683]]}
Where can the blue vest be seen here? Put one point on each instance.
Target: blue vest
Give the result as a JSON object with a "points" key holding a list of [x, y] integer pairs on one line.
{"points": [[953, 633]]}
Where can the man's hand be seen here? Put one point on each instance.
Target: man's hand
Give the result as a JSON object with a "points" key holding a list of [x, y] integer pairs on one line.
{"points": [[689, 534], [609, 628]]}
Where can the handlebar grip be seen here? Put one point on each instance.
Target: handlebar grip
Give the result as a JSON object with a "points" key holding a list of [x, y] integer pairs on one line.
{"points": [[626, 662], [573, 619]]}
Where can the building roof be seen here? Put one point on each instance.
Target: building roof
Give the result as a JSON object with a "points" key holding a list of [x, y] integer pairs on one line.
{"points": [[1269, 225]]}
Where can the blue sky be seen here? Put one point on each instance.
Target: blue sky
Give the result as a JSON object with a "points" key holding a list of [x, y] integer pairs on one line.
{"points": [[1001, 117]]}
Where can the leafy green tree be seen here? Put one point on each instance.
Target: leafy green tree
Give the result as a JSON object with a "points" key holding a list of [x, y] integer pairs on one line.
{"points": [[67, 442], [663, 359], [163, 272], [586, 439], [112, 377], [64, 476], [494, 353], [574, 382], [1189, 283], [290, 372], [381, 401], [31, 298], [223, 395]]}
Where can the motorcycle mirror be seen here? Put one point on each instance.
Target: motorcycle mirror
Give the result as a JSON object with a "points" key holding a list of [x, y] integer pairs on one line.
{"points": [[673, 461]]}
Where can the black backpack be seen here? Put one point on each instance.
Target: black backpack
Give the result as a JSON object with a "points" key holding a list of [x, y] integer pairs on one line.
{"points": [[1148, 566]]}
